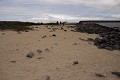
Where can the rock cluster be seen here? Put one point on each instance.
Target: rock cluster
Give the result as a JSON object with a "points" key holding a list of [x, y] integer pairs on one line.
{"points": [[110, 37]]}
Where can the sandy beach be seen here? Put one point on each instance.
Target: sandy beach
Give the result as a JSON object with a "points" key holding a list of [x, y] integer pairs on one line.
{"points": [[59, 51]]}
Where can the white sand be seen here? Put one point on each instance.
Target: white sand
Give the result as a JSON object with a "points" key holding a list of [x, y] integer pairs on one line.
{"points": [[57, 62]]}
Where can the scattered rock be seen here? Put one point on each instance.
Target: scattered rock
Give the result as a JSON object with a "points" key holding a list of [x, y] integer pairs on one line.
{"points": [[99, 75], [26, 31], [51, 47], [46, 49], [109, 48], [72, 30], [17, 49], [75, 44], [30, 55], [61, 28], [39, 51], [49, 28], [116, 73], [75, 62], [40, 57], [56, 44], [44, 36], [32, 27], [19, 32], [90, 39], [51, 31], [82, 39], [46, 77], [13, 61], [54, 35], [65, 30], [3, 33]]}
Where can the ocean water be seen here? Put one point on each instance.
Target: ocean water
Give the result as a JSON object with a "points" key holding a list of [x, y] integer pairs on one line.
{"points": [[109, 24]]}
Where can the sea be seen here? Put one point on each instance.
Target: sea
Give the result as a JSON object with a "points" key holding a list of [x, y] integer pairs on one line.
{"points": [[108, 24]]}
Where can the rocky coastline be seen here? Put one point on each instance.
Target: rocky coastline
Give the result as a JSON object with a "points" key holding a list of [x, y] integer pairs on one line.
{"points": [[109, 37]]}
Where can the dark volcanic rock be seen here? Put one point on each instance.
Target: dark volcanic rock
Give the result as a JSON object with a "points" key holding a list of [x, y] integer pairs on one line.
{"points": [[54, 35], [99, 75], [26, 31], [39, 51], [46, 77], [30, 55], [3, 33], [116, 73], [13, 61], [110, 37], [65, 30], [44, 36], [75, 62], [90, 39], [75, 44], [47, 49]]}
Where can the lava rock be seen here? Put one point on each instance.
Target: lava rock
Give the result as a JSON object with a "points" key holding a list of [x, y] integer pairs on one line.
{"points": [[72, 30], [90, 39], [110, 37], [99, 75], [13, 61], [26, 31], [109, 48], [30, 55], [75, 62], [75, 44], [65, 30], [3, 33], [44, 36], [46, 49], [116, 73], [54, 35], [39, 51], [46, 77], [40, 57]]}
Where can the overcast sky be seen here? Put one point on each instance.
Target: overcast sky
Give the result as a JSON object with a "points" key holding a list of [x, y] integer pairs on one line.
{"points": [[59, 10]]}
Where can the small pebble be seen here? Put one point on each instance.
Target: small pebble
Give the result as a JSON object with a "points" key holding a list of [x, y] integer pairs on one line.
{"points": [[46, 77], [99, 75], [26, 31], [40, 57], [75, 62], [54, 35], [44, 36], [13, 61], [39, 51], [46, 49], [3, 33], [30, 55]]}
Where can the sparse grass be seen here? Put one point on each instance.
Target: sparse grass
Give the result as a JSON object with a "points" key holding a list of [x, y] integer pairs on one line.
{"points": [[15, 25]]}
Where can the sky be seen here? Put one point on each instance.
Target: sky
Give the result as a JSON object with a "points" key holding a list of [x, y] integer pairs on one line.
{"points": [[59, 10]]}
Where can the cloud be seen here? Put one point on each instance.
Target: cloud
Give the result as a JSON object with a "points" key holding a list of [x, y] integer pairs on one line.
{"points": [[62, 10], [117, 16], [104, 4], [61, 17], [92, 3]]}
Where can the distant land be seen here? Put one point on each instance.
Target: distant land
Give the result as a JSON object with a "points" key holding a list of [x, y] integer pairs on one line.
{"points": [[108, 23]]}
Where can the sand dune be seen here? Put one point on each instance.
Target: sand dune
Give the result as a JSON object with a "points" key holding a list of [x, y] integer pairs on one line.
{"points": [[57, 56]]}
